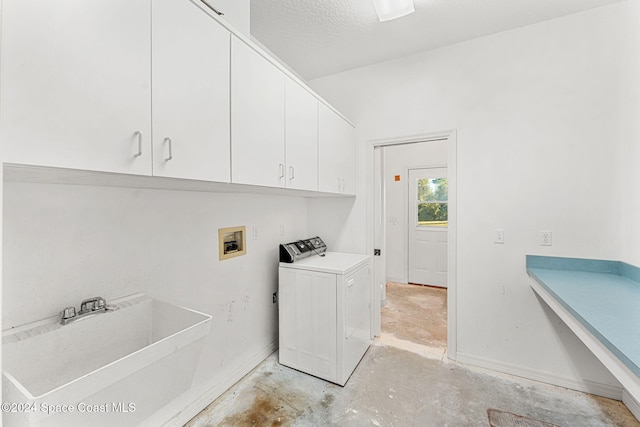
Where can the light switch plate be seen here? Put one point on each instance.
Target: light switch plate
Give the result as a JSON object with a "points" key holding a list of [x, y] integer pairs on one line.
{"points": [[498, 236]]}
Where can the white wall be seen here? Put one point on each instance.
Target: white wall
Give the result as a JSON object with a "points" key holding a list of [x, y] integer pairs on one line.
{"points": [[537, 113], [631, 134], [64, 243], [333, 219], [397, 160]]}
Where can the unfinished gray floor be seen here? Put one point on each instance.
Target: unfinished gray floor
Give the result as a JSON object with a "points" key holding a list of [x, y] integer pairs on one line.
{"points": [[394, 387], [400, 382], [416, 313]]}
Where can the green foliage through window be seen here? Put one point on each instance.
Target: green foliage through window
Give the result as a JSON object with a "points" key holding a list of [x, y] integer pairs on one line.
{"points": [[432, 202]]}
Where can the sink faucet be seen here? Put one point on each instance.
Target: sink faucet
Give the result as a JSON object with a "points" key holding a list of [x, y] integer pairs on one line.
{"points": [[92, 305], [88, 307]]}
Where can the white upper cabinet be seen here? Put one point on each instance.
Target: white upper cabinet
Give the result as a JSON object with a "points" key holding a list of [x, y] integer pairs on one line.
{"points": [[76, 84], [301, 136], [257, 119], [190, 74], [162, 88], [336, 153], [235, 12]]}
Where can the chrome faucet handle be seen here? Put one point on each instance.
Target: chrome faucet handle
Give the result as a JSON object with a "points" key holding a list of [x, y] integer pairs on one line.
{"points": [[68, 313], [92, 304]]}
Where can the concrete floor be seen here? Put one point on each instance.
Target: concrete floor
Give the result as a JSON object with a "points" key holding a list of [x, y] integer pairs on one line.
{"points": [[400, 382], [416, 313]]}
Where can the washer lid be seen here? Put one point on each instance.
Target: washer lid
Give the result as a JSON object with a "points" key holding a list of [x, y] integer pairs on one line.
{"points": [[332, 262]]}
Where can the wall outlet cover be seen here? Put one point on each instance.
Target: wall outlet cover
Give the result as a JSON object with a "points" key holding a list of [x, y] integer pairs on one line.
{"points": [[545, 238]]}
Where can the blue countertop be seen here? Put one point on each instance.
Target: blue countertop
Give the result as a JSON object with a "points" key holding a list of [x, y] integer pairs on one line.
{"points": [[603, 295]]}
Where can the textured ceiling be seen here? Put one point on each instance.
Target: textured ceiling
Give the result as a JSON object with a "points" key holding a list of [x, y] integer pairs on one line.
{"points": [[321, 37]]}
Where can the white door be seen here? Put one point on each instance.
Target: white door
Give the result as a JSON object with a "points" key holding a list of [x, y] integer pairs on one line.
{"points": [[428, 222], [301, 137], [257, 118], [190, 93], [76, 84]]}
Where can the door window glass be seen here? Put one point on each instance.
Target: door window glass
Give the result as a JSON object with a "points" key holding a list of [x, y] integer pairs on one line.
{"points": [[432, 202]]}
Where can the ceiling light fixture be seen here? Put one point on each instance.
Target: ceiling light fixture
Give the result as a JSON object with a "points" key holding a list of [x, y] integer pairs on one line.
{"points": [[392, 9]]}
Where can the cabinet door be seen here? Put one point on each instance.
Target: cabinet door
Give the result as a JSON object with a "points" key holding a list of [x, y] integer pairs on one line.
{"points": [[235, 12], [257, 118], [348, 158], [336, 153], [301, 137], [190, 73], [76, 84]]}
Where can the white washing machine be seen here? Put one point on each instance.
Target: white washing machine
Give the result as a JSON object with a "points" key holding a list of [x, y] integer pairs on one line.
{"points": [[324, 309]]}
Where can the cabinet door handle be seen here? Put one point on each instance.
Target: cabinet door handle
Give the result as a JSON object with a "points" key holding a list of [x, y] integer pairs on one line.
{"points": [[281, 170], [168, 141], [216, 11], [291, 172], [138, 135]]}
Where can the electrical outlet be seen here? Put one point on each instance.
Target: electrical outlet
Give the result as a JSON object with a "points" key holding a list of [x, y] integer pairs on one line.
{"points": [[498, 236], [282, 229], [545, 238], [274, 298]]}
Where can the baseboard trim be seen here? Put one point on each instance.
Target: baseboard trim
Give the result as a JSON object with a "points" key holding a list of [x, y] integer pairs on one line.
{"points": [[177, 414], [592, 387], [632, 404], [397, 279]]}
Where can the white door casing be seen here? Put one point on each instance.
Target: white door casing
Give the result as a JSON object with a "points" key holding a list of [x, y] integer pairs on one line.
{"points": [[373, 167], [379, 295], [427, 255]]}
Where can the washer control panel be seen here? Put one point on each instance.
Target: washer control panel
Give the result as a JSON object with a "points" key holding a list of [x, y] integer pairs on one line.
{"points": [[300, 249]]}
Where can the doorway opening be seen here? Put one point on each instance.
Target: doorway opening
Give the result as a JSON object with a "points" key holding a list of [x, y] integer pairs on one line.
{"points": [[414, 228]]}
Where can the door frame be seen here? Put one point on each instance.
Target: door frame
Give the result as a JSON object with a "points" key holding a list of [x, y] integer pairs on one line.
{"points": [[374, 171]]}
